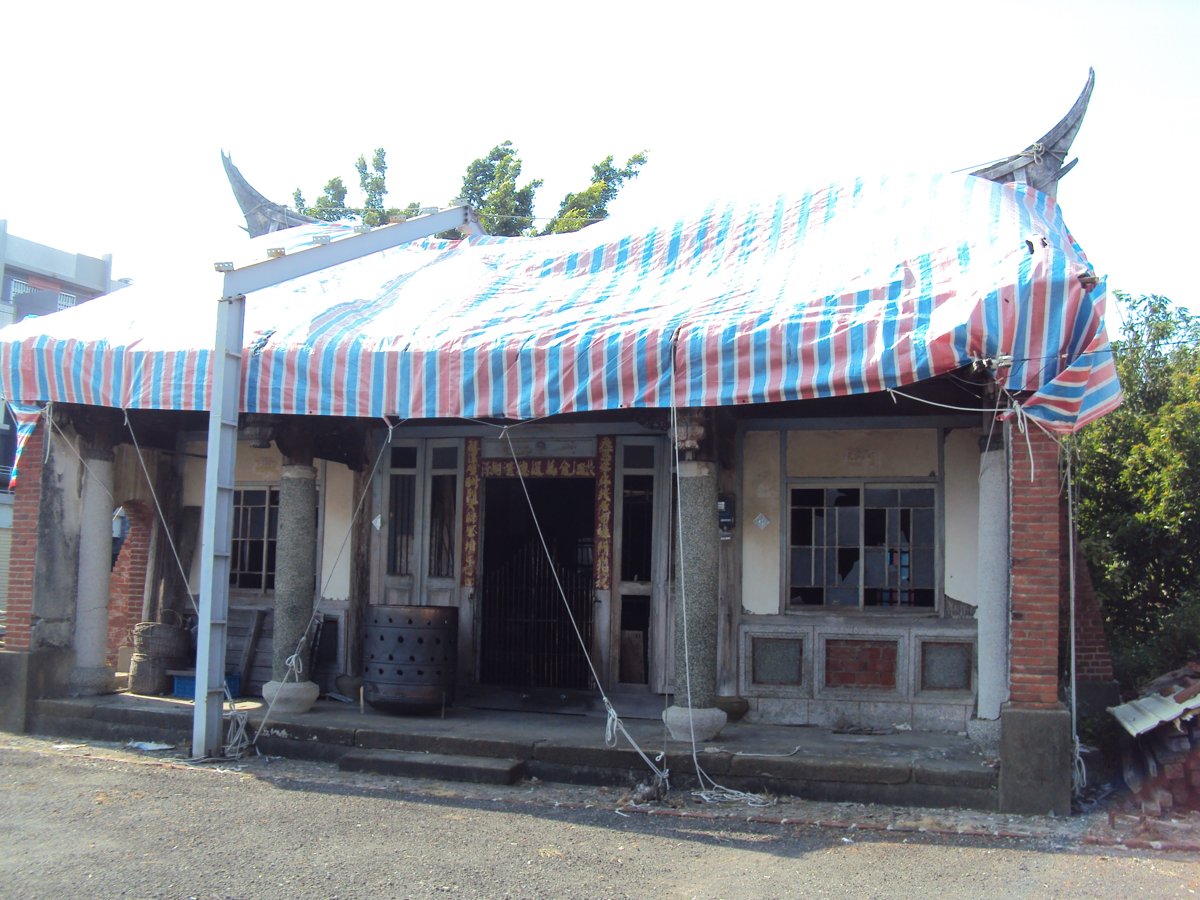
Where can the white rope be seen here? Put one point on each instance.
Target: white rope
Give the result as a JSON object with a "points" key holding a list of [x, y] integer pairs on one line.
{"points": [[1079, 776], [1078, 766], [235, 740], [75, 450], [613, 726], [896, 393], [158, 508], [709, 790], [295, 662]]}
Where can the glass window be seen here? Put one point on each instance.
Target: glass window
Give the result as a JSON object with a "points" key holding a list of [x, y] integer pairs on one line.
{"points": [[444, 458], [637, 527], [401, 523], [443, 493], [423, 542], [638, 456], [255, 526], [404, 457], [859, 545]]}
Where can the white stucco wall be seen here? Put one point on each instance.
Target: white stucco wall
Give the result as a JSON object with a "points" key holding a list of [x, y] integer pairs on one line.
{"points": [[761, 552], [262, 466], [257, 465], [962, 514], [193, 474], [337, 494], [862, 453], [992, 578]]}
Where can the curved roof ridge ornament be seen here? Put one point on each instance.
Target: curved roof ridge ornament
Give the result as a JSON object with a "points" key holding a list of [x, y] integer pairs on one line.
{"points": [[262, 216], [1043, 163]]}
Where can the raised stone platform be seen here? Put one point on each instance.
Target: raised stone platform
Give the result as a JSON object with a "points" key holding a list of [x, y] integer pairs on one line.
{"points": [[905, 768]]}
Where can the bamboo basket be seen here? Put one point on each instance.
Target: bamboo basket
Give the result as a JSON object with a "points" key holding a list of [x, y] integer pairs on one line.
{"points": [[159, 640]]}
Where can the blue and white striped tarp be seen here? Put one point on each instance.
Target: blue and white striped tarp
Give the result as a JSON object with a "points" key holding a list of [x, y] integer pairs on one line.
{"points": [[852, 288]]}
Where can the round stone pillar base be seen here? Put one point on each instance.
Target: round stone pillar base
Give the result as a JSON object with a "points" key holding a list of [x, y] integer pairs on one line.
{"points": [[90, 681], [291, 696], [682, 723]]}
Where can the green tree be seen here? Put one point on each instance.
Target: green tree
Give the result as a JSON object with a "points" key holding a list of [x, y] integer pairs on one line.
{"points": [[490, 186], [330, 206], [374, 186], [591, 204], [1139, 498]]}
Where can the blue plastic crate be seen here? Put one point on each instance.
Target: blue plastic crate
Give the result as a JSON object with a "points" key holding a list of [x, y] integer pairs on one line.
{"points": [[184, 686]]}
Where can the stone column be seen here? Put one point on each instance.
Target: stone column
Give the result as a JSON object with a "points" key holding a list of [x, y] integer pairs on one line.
{"points": [[92, 674], [295, 558], [695, 712]]}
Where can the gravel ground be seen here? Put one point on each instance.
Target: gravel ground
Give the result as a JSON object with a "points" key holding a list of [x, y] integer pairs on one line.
{"points": [[104, 821]]}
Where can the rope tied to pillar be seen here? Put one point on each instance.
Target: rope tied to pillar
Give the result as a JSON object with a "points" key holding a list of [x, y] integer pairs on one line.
{"points": [[235, 740], [614, 727], [295, 662]]}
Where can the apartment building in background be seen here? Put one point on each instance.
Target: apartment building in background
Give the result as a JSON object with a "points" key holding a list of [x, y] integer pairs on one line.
{"points": [[36, 280]]}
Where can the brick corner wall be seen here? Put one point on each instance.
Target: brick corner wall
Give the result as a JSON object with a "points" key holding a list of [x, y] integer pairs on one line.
{"points": [[1093, 658], [1036, 582], [27, 501], [127, 583]]}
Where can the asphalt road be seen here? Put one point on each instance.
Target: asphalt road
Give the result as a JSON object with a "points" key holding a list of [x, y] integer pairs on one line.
{"points": [[79, 821]]}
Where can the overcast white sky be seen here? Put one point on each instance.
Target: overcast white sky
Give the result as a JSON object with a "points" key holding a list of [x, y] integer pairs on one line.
{"points": [[115, 113]]}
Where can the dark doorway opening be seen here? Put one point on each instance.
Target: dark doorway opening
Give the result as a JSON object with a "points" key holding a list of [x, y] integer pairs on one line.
{"points": [[526, 636]]}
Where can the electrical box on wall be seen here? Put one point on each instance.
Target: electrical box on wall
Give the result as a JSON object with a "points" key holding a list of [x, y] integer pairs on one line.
{"points": [[725, 515]]}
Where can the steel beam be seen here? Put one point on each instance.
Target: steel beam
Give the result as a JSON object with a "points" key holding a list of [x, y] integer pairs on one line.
{"points": [[217, 529], [216, 533], [270, 272]]}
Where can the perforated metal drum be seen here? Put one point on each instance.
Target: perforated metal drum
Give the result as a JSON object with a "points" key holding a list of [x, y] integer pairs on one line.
{"points": [[411, 655]]}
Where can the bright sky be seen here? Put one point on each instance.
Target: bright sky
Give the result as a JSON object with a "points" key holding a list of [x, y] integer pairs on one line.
{"points": [[115, 113]]}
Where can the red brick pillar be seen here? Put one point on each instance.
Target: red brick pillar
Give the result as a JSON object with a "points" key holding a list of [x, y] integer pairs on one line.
{"points": [[1035, 586], [1035, 729], [27, 499], [127, 584]]}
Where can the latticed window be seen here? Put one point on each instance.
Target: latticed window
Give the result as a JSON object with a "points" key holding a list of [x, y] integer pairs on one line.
{"points": [[863, 545], [437, 496], [66, 300], [443, 495], [255, 527], [402, 511]]}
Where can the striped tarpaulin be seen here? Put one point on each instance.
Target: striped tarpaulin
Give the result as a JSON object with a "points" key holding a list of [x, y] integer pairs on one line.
{"points": [[853, 288]]}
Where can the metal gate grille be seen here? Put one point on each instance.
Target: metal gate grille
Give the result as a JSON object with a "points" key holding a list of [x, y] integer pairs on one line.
{"points": [[528, 640]]}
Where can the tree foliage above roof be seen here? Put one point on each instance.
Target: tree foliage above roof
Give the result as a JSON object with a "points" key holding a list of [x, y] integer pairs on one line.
{"points": [[492, 185], [1139, 494]]}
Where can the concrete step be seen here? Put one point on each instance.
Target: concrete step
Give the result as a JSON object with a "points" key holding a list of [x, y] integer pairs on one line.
{"points": [[446, 766]]}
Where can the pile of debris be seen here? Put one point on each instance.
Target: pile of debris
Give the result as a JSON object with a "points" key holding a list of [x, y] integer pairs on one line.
{"points": [[1161, 763]]}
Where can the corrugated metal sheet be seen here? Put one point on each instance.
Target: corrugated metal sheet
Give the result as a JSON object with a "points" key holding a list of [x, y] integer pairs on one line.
{"points": [[850, 289], [1170, 698]]}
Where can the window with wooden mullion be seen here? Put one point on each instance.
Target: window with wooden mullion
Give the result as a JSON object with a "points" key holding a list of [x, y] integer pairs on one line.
{"points": [[255, 526], [861, 545]]}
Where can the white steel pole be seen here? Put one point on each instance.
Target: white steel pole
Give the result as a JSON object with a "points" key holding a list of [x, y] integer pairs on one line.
{"points": [[216, 533], [217, 528]]}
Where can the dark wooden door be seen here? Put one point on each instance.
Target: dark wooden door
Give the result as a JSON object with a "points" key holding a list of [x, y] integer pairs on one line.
{"points": [[527, 638]]}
